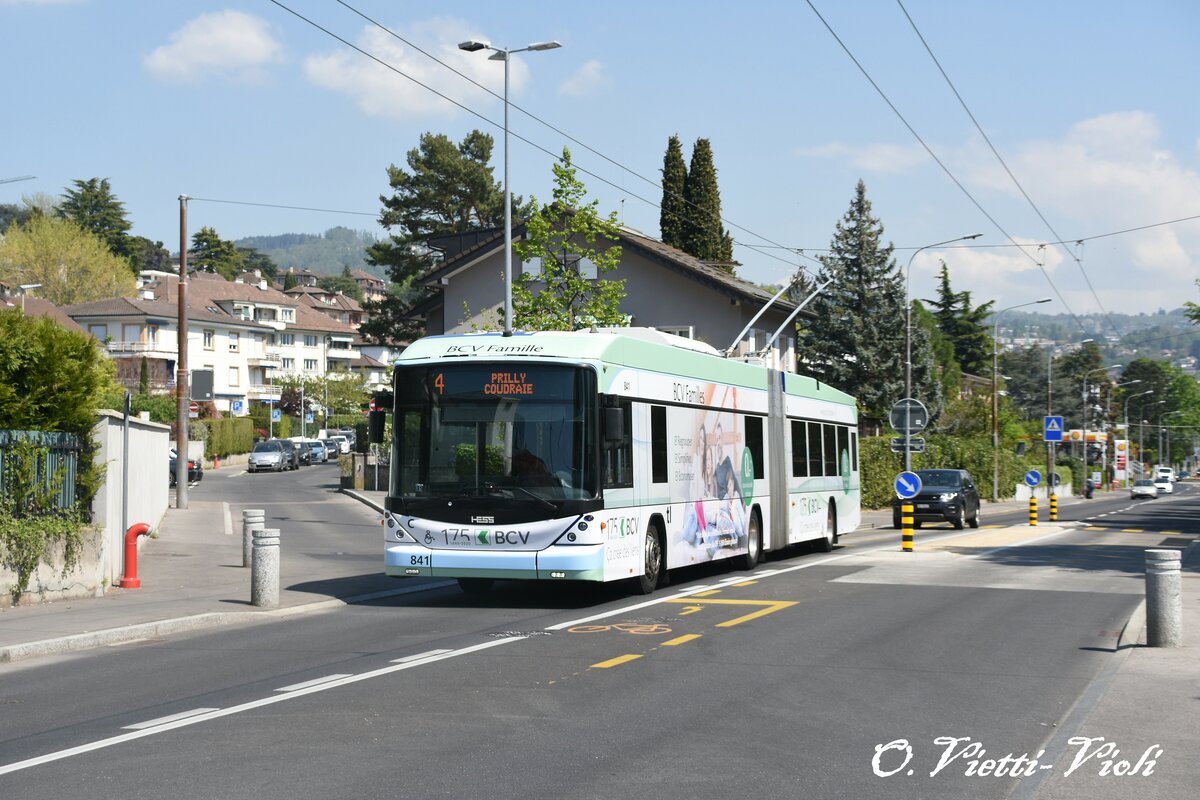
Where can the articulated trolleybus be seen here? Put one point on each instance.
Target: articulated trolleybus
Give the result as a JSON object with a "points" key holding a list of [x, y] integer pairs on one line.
{"points": [[603, 455]]}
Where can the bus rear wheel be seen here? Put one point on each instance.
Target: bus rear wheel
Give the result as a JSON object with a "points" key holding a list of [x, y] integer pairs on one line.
{"points": [[753, 552], [828, 532], [648, 581]]}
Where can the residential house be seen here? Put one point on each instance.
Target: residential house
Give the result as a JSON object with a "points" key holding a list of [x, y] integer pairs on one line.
{"points": [[332, 304], [372, 288], [666, 289]]}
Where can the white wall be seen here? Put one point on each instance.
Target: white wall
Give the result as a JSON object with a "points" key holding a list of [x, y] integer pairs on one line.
{"points": [[148, 488]]}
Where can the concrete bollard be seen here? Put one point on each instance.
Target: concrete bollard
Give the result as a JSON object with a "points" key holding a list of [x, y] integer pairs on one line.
{"points": [[264, 574], [253, 519], [1164, 599]]}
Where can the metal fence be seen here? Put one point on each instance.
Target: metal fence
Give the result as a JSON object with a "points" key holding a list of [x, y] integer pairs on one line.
{"points": [[58, 456]]}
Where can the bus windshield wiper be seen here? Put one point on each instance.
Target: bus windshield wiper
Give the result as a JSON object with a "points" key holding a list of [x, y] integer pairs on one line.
{"points": [[491, 487]]}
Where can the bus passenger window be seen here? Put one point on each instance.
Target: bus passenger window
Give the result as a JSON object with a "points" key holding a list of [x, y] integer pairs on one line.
{"points": [[854, 451], [831, 454], [843, 446], [799, 450], [815, 468], [754, 442], [618, 456], [658, 444]]}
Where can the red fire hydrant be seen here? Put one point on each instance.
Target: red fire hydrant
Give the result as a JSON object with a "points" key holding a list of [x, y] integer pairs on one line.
{"points": [[130, 580]]}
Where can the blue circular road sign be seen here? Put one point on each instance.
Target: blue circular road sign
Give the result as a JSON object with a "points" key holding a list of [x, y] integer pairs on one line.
{"points": [[1033, 478], [907, 484]]}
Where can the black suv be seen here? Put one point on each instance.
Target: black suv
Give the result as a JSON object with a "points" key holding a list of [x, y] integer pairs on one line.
{"points": [[947, 495]]}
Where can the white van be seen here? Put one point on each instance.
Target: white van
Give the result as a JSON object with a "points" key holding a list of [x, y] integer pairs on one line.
{"points": [[1165, 472]]}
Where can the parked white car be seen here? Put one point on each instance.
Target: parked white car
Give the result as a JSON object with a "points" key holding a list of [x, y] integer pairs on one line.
{"points": [[342, 443]]}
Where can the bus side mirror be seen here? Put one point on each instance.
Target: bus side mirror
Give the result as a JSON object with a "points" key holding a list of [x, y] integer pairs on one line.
{"points": [[375, 423], [614, 424]]}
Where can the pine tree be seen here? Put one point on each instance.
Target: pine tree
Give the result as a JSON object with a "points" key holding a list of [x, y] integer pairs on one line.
{"points": [[964, 325], [856, 342], [703, 235], [672, 220], [448, 189], [210, 253], [93, 206]]}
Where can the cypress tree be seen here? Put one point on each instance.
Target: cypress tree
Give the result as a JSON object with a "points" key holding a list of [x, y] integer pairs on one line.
{"points": [[856, 342], [672, 220], [704, 237]]}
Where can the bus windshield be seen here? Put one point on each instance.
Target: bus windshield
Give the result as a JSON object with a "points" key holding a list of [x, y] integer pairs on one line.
{"points": [[515, 431]]}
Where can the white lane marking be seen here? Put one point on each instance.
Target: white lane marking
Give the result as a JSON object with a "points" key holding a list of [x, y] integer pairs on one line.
{"points": [[195, 712], [228, 519], [314, 682], [781, 571], [253, 704], [419, 656]]}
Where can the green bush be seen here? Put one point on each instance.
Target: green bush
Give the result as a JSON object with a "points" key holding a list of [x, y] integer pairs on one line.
{"points": [[228, 436]]}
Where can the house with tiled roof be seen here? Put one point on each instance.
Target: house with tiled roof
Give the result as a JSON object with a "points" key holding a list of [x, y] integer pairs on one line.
{"points": [[333, 304], [247, 333], [666, 289], [33, 306], [373, 288]]}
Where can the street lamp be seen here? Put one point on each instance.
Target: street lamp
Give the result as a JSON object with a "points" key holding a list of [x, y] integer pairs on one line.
{"points": [[1129, 464], [1050, 459], [1086, 403], [1166, 462], [1142, 426], [996, 393], [502, 54]]}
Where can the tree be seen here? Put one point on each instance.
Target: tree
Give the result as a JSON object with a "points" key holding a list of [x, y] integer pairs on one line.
{"points": [[13, 214], [147, 255], [856, 341], [254, 259], [964, 325], [96, 209], [448, 189], [672, 220], [210, 253], [564, 235], [703, 236], [72, 265], [341, 283], [290, 281]]}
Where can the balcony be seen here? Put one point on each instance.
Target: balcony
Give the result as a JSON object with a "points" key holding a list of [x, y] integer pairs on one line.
{"points": [[267, 360], [263, 392], [120, 349]]}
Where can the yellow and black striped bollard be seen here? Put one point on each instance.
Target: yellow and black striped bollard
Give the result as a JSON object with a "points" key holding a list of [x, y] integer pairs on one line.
{"points": [[1054, 508], [1033, 511], [906, 527]]}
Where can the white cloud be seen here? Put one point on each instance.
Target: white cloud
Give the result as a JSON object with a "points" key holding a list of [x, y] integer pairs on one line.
{"points": [[380, 91], [226, 44], [882, 157], [587, 80]]}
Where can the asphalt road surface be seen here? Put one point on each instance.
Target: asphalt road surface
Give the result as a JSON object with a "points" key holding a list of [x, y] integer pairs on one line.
{"points": [[788, 681]]}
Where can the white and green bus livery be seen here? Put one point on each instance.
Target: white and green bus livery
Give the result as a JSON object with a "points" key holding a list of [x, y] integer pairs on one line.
{"points": [[605, 455]]}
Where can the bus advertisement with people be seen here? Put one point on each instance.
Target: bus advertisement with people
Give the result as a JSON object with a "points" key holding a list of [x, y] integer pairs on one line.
{"points": [[604, 455]]}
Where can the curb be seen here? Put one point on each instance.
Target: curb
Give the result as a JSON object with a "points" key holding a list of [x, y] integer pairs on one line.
{"points": [[363, 499]]}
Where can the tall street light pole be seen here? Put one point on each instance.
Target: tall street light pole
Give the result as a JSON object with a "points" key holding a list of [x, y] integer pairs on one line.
{"points": [[503, 54], [908, 337], [996, 393], [1129, 461], [1086, 403], [1166, 462], [182, 399], [1050, 460]]}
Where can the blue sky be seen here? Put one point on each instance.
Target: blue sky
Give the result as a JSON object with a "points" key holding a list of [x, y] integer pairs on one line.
{"points": [[1092, 105]]}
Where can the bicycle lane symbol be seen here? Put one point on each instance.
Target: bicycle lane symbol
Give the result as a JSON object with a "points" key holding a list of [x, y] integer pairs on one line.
{"points": [[637, 628]]}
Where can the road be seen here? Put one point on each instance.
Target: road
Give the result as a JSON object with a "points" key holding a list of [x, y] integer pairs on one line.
{"points": [[778, 683]]}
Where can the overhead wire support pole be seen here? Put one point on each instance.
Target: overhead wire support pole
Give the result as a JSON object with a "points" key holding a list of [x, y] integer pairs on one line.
{"points": [[181, 369]]}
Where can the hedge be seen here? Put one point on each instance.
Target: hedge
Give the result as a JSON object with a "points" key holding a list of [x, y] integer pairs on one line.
{"points": [[228, 436]]}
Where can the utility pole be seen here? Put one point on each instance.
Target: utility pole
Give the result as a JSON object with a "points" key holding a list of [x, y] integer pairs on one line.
{"points": [[182, 400]]}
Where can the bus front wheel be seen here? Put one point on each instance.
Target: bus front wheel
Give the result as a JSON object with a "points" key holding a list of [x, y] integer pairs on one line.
{"points": [[653, 570]]}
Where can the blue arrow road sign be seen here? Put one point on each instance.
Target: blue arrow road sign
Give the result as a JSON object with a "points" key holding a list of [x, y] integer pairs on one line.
{"points": [[907, 485], [1053, 431], [1033, 478]]}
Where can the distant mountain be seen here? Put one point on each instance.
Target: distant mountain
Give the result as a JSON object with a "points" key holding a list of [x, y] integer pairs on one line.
{"points": [[328, 253]]}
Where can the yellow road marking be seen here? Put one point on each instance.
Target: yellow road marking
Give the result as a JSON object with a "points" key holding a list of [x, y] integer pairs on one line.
{"points": [[1172, 533], [614, 662], [691, 610], [993, 526], [687, 637], [1132, 530], [746, 583], [706, 594], [1095, 528], [771, 606]]}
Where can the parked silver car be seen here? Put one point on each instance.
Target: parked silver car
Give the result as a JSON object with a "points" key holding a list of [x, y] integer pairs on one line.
{"points": [[319, 455], [268, 456]]}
